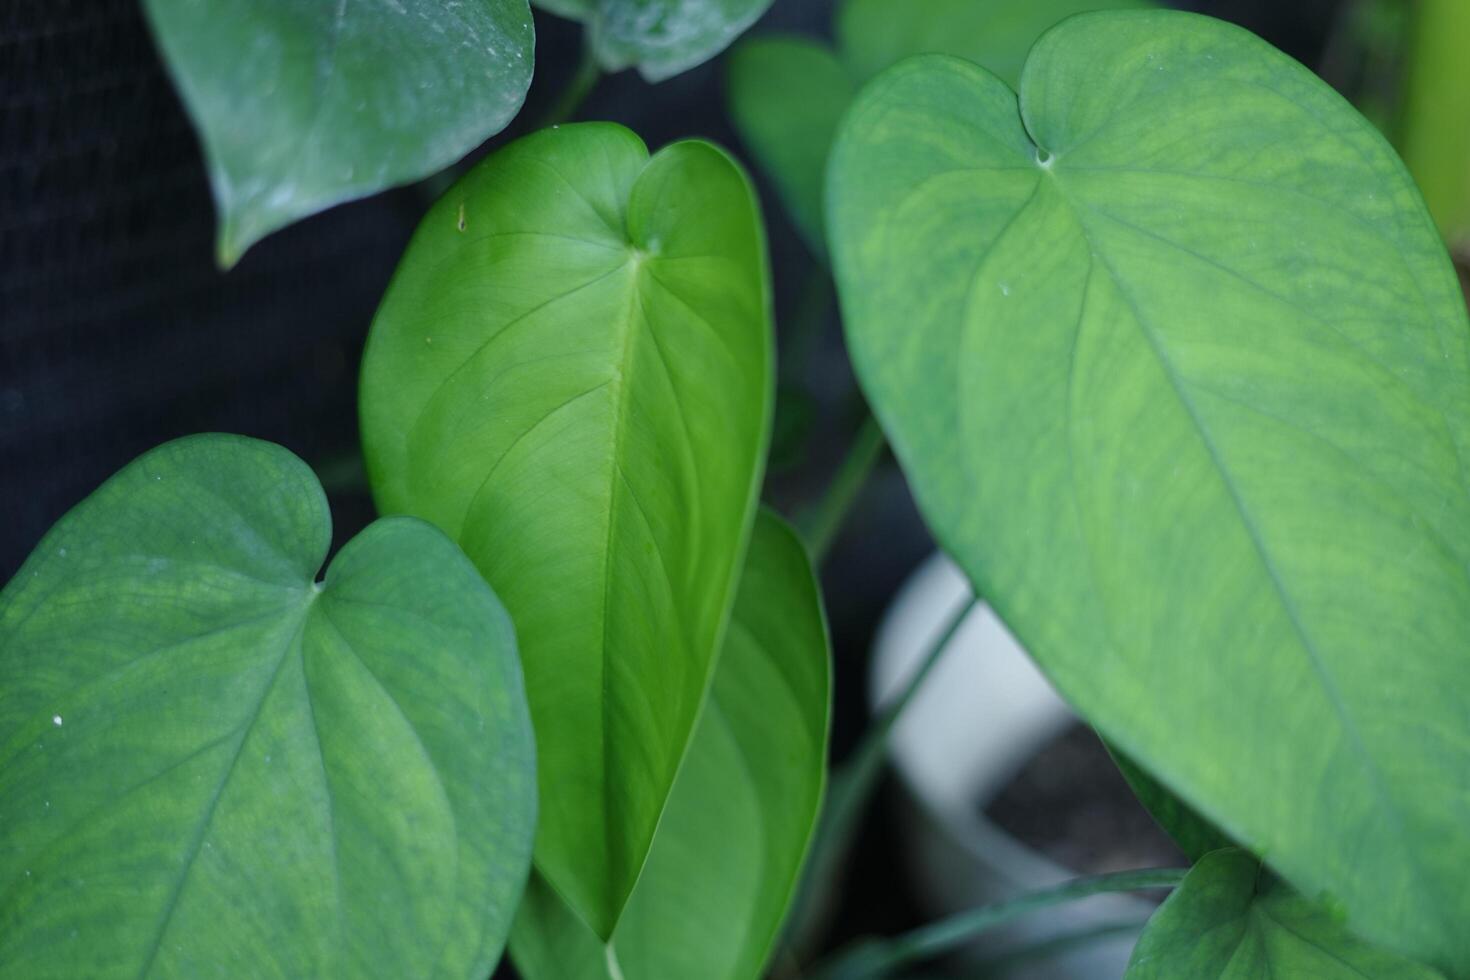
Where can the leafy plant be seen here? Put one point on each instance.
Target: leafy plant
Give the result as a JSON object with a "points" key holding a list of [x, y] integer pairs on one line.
{"points": [[213, 762], [1163, 338], [571, 375], [1182, 385]]}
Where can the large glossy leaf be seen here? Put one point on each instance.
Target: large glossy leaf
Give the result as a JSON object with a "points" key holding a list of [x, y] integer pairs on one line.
{"points": [[1231, 920], [301, 106], [724, 863], [211, 765], [1177, 367], [571, 375], [661, 38], [790, 137]]}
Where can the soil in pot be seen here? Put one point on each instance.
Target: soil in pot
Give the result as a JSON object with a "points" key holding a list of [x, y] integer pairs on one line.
{"points": [[1071, 804]]}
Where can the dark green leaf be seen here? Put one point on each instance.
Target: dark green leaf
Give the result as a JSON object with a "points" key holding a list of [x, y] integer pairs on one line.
{"points": [[211, 765], [725, 859], [571, 375], [1231, 920], [301, 106], [1178, 369]]}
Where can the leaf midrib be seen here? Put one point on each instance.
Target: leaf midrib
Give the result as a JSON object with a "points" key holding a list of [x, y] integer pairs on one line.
{"points": [[201, 829], [1371, 768]]}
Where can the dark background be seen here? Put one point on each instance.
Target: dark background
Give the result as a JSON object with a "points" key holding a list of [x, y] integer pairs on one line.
{"points": [[117, 332]]}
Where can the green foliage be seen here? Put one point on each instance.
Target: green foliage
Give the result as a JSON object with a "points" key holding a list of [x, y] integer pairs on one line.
{"points": [[1177, 367], [571, 375], [301, 106], [790, 137], [724, 862], [661, 38], [213, 765], [1230, 920]]}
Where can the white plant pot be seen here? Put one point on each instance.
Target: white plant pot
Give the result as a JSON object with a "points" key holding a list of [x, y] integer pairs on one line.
{"points": [[981, 714]]}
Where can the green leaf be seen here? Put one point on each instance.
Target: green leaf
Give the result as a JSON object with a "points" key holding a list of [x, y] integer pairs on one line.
{"points": [[301, 106], [1177, 367], [790, 137], [211, 765], [1230, 920], [661, 38], [571, 375], [724, 863]]}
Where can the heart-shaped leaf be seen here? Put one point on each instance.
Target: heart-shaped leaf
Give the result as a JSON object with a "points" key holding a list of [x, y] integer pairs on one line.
{"points": [[661, 38], [790, 137], [301, 106], [726, 856], [1178, 369], [1230, 920], [571, 375], [211, 765]]}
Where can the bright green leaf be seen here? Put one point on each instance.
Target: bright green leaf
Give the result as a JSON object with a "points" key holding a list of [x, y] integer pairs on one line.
{"points": [[1177, 367], [1230, 920], [790, 137], [211, 765], [301, 106], [661, 38], [724, 863], [571, 375]]}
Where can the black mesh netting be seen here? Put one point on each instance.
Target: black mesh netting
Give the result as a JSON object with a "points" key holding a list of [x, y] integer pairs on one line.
{"points": [[118, 331]]}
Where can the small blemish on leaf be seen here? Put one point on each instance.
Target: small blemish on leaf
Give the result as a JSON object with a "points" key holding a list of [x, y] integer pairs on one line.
{"points": [[461, 222], [56, 720]]}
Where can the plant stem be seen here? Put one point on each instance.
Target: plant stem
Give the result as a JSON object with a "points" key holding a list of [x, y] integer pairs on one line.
{"points": [[880, 958], [822, 523], [1435, 143], [851, 787], [578, 87]]}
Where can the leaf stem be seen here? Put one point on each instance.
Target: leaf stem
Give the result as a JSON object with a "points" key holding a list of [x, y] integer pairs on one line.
{"points": [[823, 521], [578, 87], [880, 958]]}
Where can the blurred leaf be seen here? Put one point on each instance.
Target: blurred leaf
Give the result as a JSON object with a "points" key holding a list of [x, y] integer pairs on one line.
{"points": [[572, 375], [789, 136], [661, 38], [1231, 919], [301, 106], [214, 766], [1178, 370], [724, 863]]}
